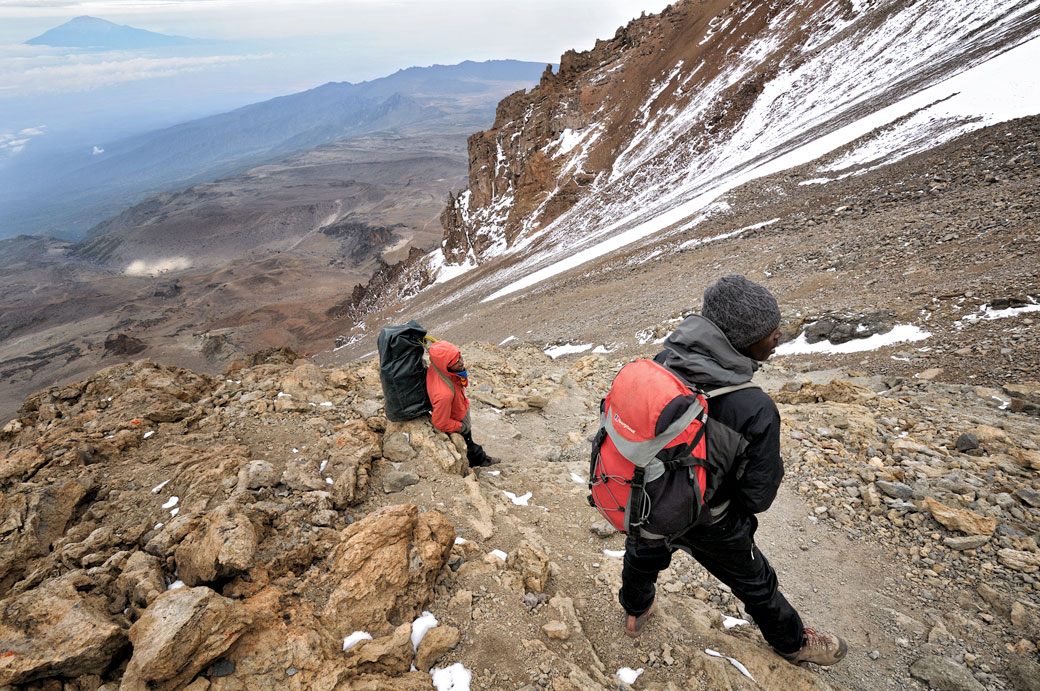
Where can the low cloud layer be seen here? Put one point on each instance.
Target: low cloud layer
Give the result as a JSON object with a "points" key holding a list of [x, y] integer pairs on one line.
{"points": [[12, 143], [154, 267], [24, 72]]}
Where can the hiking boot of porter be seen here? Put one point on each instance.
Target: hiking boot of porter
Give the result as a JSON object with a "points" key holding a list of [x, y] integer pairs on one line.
{"points": [[634, 625], [819, 648]]}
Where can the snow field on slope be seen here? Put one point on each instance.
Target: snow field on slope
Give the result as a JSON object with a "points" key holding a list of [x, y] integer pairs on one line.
{"points": [[813, 95]]}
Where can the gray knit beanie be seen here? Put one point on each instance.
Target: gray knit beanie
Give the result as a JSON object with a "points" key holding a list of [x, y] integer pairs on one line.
{"points": [[742, 309]]}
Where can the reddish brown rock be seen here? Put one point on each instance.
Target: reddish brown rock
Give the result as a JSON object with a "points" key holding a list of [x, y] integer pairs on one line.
{"points": [[967, 522], [382, 573], [53, 631], [224, 545], [181, 633], [385, 655], [437, 641]]}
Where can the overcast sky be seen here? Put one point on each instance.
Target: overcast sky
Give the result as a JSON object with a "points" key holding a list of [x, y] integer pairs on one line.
{"points": [[537, 30], [261, 49]]}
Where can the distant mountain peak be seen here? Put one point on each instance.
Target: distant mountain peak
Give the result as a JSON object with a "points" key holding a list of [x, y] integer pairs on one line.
{"points": [[93, 32]]}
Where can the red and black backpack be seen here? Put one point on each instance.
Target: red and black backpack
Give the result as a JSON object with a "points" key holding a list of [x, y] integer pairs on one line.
{"points": [[648, 472]]}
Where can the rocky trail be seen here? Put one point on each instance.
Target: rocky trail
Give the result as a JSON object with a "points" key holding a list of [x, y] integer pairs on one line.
{"points": [[166, 530]]}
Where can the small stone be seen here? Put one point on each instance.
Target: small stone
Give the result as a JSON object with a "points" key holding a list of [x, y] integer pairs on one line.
{"points": [[1029, 496], [397, 480], [556, 629], [967, 442], [965, 542], [1026, 562], [396, 447], [964, 521], [943, 673], [602, 528], [930, 374], [896, 490], [1024, 618], [875, 654], [437, 641]]}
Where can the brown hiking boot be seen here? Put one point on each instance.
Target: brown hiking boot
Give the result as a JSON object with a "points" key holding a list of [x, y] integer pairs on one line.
{"points": [[819, 648], [634, 625]]}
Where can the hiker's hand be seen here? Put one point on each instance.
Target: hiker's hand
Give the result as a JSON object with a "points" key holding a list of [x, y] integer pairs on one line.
{"points": [[466, 428]]}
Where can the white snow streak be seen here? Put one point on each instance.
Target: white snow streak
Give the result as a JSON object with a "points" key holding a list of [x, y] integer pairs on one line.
{"points": [[899, 334]]}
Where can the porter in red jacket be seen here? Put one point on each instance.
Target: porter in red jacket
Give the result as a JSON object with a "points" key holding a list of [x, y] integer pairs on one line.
{"points": [[446, 382]]}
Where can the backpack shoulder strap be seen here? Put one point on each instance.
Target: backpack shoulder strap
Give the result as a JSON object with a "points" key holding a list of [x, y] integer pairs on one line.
{"points": [[715, 393], [427, 341]]}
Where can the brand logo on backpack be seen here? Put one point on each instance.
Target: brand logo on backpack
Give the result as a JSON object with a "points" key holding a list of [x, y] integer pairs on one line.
{"points": [[619, 421]]}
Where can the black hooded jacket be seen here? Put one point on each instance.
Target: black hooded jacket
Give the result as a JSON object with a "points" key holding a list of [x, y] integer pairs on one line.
{"points": [[743, 425]]}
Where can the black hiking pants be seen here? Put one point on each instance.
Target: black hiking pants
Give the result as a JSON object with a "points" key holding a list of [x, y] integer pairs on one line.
{"points": [[727, 550], [475, 453]]}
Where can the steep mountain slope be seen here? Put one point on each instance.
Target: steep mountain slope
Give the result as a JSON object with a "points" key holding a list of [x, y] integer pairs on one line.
{"points": [[644, 132]]}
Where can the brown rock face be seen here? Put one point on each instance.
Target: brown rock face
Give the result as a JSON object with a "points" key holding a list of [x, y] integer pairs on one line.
{"points": [[31, 522], [223, 546], [54, 631], [537, 159], [383, 571], [967, 522], [437, 641], [387, 655], [179, 635]]}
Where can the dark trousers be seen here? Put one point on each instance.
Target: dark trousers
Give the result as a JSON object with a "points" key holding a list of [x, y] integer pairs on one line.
{"points": [[475, 453], [727, 550]]}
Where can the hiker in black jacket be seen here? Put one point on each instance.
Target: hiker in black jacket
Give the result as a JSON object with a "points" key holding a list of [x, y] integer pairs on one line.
{"points": [[722, 346]]}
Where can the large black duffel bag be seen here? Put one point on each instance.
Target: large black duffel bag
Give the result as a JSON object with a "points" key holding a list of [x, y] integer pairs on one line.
{"points": [[402, 371]]}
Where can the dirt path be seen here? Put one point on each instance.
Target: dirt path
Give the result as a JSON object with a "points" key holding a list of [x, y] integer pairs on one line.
{"points": [[838, 583]]}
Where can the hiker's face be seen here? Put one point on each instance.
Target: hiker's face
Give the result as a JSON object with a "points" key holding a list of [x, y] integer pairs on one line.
{"points": [[761, 350], [457, 366]]}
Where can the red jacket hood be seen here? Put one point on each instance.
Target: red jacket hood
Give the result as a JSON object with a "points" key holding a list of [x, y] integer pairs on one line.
{"points": [[442, 354]]}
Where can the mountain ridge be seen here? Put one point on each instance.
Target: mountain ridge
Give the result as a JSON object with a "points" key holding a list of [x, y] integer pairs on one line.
{"points": [[200, 150]]}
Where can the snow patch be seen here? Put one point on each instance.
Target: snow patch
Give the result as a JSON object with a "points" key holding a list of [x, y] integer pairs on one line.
{"points": [[519, 501], [901, 333], [733, 661], [355, 638], [420, 626], [566, 349], [987, 313], [629, 675], [454, 678]]}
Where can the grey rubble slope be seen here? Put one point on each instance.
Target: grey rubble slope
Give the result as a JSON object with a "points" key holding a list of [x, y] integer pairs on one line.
{"points": [[280, 564]]}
